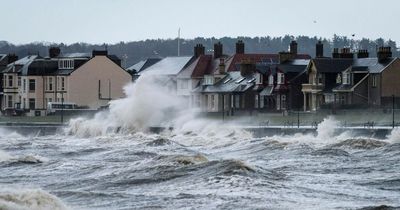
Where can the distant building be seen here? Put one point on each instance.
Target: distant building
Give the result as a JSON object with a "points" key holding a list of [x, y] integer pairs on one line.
{"points": [[88, 80]]}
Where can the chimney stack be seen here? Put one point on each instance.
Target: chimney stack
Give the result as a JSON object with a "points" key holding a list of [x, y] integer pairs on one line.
{"points": [[362, 54], [99, 52], [218, 50], [384, 53], [346, 53], [293, 47], [198, 50], [335, 53], [240, 47], [319, 50], [221, 66], [247, 67], [54, 52], [11, 58]]}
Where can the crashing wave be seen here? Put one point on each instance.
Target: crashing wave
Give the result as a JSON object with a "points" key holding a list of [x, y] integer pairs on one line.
{"points": [[360, 144], [29, 199]]}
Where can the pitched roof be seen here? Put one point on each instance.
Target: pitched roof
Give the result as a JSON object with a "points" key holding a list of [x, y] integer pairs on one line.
{"points": [[332, 65], [168, 66], [203, 65], [232, 82], [234, 61], [372, 63], [143, 64]]}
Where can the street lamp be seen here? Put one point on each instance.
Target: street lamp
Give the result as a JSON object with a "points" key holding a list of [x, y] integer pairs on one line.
{"points": [[62, 107], [393, 111]]}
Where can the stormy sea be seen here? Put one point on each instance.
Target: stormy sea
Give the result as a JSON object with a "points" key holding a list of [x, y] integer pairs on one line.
{"points": [[112, 161]]}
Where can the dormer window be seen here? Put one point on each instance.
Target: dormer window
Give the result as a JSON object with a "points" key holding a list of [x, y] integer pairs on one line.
{"points": [[346, 78], [66, 64], [208, 80], [281, 78], [338, 79]]}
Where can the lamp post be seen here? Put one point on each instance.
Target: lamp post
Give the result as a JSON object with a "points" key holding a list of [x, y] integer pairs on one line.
{"points": [[62, 107], [298, 118], [393, 111]]}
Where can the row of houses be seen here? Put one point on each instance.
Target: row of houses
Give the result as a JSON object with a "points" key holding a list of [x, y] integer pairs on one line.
{"points": [[246, 82], [215, 83], [88, 81]]}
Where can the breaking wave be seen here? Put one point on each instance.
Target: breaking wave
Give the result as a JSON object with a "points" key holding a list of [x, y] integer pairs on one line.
{"points": [[26, 159], [29, 199]]}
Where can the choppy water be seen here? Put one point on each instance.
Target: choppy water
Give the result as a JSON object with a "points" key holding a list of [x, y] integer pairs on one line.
{"points": [[220, 169]]}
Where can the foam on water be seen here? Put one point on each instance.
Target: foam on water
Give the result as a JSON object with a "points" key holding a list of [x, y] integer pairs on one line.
{"points": [[29, 199]]}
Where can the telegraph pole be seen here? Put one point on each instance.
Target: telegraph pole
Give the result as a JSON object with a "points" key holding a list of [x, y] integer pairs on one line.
{"points": [[62, 107]]}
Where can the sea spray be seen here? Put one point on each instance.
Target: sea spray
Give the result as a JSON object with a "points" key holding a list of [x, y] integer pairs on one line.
{"points": [[394, 136], [148, 103], [326, 129]]}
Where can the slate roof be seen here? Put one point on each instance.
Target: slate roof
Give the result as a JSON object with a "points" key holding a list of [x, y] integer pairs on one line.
{"points": [[332, 65], [142, 65], [337, 65], [372, 63], [232, 82], [234, 61], [168, 66], [203, 65]]}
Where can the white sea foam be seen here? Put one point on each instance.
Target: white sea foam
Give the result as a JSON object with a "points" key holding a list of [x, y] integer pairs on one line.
{"points": [[394, 136], [29, 199], [7, 134], [6, 157]]}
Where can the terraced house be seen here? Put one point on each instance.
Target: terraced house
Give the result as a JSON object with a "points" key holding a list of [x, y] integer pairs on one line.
{"points": [[88, 81], [345, 81]]}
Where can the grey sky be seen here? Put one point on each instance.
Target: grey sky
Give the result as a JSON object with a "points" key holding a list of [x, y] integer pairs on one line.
{"points": [[110, 21]]}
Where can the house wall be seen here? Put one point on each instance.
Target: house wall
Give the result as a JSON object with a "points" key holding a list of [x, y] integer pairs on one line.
{"points": [[390, 80], [360, 94], [83, 83], [374, 92]]}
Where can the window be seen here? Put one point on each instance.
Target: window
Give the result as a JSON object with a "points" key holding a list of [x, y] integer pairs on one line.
{"points": [[19, 81], [281, 78], [320, 79], [237, 101], [66, 64], [184, 84], [10, 101], [32, 85], [227, 80], [262, 101], [240, 80], [10, 81], [256, 101], [283, 104], [212, 102], [62, 83], [24, 103], [208, 80], [338, 79], [346, 78], [31, 103], [259, 78], [24, 86], [271, 80], [329, 98], [374, 80]]}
